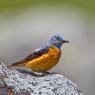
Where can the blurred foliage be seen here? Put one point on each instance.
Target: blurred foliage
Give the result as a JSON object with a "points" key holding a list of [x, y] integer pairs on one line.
{"points": [[12, 5]]}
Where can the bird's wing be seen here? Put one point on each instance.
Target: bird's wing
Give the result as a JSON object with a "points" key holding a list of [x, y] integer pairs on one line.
{"points": [[37, 53]]}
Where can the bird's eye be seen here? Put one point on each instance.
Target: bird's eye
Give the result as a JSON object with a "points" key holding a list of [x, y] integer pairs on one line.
{"points": [[58, 38]]}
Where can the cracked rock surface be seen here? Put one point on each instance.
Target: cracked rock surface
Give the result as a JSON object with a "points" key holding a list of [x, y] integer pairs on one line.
{"points": [[23, 82]]}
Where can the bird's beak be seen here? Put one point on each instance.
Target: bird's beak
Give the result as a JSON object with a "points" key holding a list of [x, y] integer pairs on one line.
{"points": [[65, 41]]}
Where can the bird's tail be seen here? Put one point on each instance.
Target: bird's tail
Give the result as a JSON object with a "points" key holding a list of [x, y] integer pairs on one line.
{"points": [[16, 64]]}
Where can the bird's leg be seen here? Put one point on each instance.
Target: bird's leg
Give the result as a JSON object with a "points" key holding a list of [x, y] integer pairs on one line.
{"points": [[46, 73]]}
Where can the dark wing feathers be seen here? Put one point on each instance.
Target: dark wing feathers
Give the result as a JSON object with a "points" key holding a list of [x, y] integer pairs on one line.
{"points": [[37, 53]]}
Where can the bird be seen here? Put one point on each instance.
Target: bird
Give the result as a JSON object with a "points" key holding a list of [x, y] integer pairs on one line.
{"points": [[44, 58]]}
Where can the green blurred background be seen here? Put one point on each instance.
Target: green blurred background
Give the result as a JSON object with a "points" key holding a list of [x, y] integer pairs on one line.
{"points": [[29, 24]]}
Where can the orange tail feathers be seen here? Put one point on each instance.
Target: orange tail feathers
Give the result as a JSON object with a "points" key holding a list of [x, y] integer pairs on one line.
{"points": [[16, 64]]}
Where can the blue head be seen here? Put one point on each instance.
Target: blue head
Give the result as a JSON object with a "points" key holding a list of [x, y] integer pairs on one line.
{"points": [[57, 41]]}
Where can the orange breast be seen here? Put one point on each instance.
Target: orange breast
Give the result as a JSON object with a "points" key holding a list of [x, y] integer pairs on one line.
{"points": [[46, 61]]}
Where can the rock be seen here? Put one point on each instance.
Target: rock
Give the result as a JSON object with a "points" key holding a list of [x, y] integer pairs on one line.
{"points": [[23, 82]]}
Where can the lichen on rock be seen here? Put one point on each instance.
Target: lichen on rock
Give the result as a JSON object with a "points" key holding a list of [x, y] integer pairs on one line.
{"points": [[23, 82]]}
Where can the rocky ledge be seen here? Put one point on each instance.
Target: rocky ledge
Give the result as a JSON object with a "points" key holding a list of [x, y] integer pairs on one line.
{"points": [[23, 82]]}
